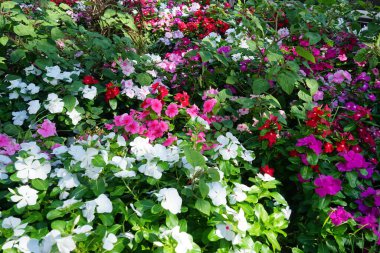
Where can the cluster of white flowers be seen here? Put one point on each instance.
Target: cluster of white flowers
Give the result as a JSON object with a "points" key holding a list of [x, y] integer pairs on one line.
{"points": [[230, 148], [19, 88], [54, 75]]}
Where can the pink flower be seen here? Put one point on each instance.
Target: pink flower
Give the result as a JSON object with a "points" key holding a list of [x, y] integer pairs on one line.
{"points": [[209, 105], [340, 76], [169, 141], [172, 110], [156, 106], [8, 146], [193, 111], [312, 143], [47, 129], [133, 127], [339, 215]]}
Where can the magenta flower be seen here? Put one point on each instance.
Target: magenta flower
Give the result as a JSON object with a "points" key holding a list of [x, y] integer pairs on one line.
{"points": [[172, 110], [156, 106], [47, 129], [353, 161], [340, 76], [339, 215], [327, 185], [8, 146], [209, 105], [312, 143]]}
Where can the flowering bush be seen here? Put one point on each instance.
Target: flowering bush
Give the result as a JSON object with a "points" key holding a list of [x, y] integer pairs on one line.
{"points": [[189, 126]]}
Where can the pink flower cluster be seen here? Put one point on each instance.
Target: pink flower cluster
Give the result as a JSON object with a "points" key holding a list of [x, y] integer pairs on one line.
{"points": [[8, 146]]}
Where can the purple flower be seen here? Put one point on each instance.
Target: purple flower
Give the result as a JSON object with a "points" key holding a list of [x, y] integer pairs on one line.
{"points": [[339, 215], [224, 50], [312, 143], [354, 160], [340, 76], [327, 185], [318, 96], [369, 221]]}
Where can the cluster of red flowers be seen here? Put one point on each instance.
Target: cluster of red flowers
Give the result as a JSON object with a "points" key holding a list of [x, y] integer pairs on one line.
{"points": [[182, 98], [269, 130], [203, 25], [162, 91], [267, 170], [112, 91], [89, 80], [68, 2], [318, 118]]}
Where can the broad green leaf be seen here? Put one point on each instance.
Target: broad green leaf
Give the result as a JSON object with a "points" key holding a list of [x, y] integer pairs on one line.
{"points": [[287, 81], [203, 188], [313, 37], [231, 80], [17, 55], [39, 184], [305, 54], [272, 237], [70, 102], [171, 220], [194, 157], [4, 40], [24, 30], [113, 104], [260, 86], [144, 79], [54, 214], [304, 96], [107, 219], [206, 56], [98, 186], [98, 161], [203, 206], [59, 225]]}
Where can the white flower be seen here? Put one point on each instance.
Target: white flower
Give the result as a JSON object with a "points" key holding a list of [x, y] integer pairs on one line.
{"points": [[68, 203], [224, 230], [140, 147], [104, 204], [19, 117], [34, 106], [170, 200], [25, 196], [121, 141], [83, 156], [65, 244], [238, 194], [230, 151], [89, 210], [109, 241], [138, 213], [53, 72], [14, 224], [287, 212], [32, 70], [75, 116], [82, 229], [125, 163], [67, 180], [13, 95], [265, 177], [217, 193], [55, 104], [28, 245], [183, 239], [33, 89], [242, 221], [93, 172], [151, 169], [89, 92], [29, 168]]}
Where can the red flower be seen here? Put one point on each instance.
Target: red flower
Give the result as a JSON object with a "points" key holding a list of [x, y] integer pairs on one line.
{"points": [[271, 137], [89, 80], [328, 147], [267, 170], [342, 146], [182, 98], [112, 91]]}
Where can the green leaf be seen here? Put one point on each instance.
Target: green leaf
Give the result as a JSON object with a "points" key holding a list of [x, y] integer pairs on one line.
{"points": [[287, 81], [113, 104], [69, 102], [350, 127], [304, 96], [322, 248], [261, 213], [312, 158], [203, 188], [59, 225], [4, 40], [24, 30], [272, 237], [296, 250], [194, 157], [98, 186], [231, 80], [11, 129], [8, 5], [313, 86], [98, 161], [17, 55], [352, 178], [109, 13], [107, 219], [171, 220], [305, 54], [54, 214], [41, 185], [206, 56], [314, 38], [260, 86], [323, 202], [203, 206], [144, 79], [306, 172], [361, 55], [56, 33]]}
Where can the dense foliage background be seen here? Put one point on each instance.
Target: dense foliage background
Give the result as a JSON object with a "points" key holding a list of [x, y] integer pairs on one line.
{"points": [[189, 126]]}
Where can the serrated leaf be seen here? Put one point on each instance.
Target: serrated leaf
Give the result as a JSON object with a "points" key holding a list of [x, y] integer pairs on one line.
{"points": [[305, 54]]}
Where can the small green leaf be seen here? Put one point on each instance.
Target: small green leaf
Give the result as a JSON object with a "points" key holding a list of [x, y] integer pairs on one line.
{"points": [[24, 30], [206, 56], [304, 96], [194, 157], [171, 220], [203, 188], [107, 219], [54, 214], [314, 38], [17, 55], [272, 237], [98, 186], [231, 80], [98, 161], [144, 79], [59, 225], [305, 54], [113, 104], [4, 40], [313, 86]]}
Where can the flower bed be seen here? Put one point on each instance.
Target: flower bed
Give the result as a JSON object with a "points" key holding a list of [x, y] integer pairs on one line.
{"points": [[196, 126]]}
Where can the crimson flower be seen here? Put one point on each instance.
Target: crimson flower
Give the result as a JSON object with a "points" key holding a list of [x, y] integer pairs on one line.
{"points": [[267, 170], [182, 98], [112, 91], [89, 80]]}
